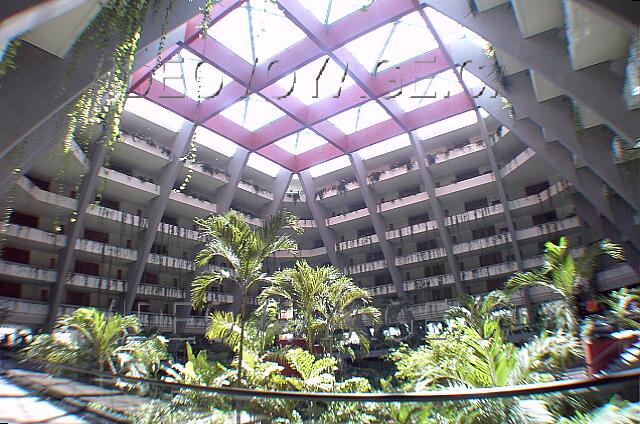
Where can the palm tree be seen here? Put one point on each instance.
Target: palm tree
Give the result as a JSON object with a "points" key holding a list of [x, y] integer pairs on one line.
{"points": [[262, 327], [475, 310], [302, 289], [245, 249], [323, 301], [565, 276], [88, 337], [344, 302]]}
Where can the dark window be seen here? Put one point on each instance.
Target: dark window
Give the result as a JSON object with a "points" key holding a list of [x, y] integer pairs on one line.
{"points": [[96, 236], [476, 204], [119, 274], [436, 295], [16, 255], [141, 304], [169, 220], [42, 184], [536, 188], [381, 280], [544, 218], [418, 219], [490, 259], [78, 298], [433, 270], [467, 175], [448, 293], [426, 245], [87, 268], [150, 278], [375, 256], [317, 244], [410, 191], [110, 204], [495, 284], [483, 232], [366, 232], [9, 289], [159, 249], [24, 220], [357, 207]]}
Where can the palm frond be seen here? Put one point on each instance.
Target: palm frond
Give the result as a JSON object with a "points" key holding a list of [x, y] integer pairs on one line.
{"points": [[199, 287]]}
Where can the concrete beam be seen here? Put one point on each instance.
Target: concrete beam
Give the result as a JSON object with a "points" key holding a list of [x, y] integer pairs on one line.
{"points": [[156, 209], [280, 186], [32, 152], [552, 115], [237, 165], [319, 214], [436, 206], [75, 225], [624, 13], [380, 227], [31, 17], [595, 87], [587, 183]]}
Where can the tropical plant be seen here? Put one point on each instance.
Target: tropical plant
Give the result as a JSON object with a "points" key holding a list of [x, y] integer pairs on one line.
{"points": [[261, 328], [143, 357], [565, 276], [88, 337], [245, 249], [616, 411], [475, 310], [323, 301], [623, 308], [342, 305], [463, 357]]}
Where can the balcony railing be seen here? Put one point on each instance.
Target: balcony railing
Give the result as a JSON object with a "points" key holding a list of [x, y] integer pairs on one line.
{"points": [[366, 267], [359, 242], [514, 163], [421, 256], [27, 272], [549, 228], [466, 184], [402, 202], [129, 181], [543, 196], [32, 234], [483, 243], [339, 219]]}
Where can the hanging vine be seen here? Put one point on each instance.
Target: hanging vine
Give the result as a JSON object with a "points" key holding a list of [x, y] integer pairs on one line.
{"points": [[8, 61]]}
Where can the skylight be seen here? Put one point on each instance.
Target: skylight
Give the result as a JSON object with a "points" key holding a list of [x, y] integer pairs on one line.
{"points": [[447, 125], [361, 117], [215, 142], [154, 113], [329, 166], [429, 90], [393, 43], [329, 11], [262, 164], [328, 83], [191, 76], [257, 29], [395, 143], [301, 142], [252, 113]]}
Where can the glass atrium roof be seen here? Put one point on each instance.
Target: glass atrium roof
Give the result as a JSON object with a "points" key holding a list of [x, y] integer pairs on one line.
{"points": [[303, 83]]}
